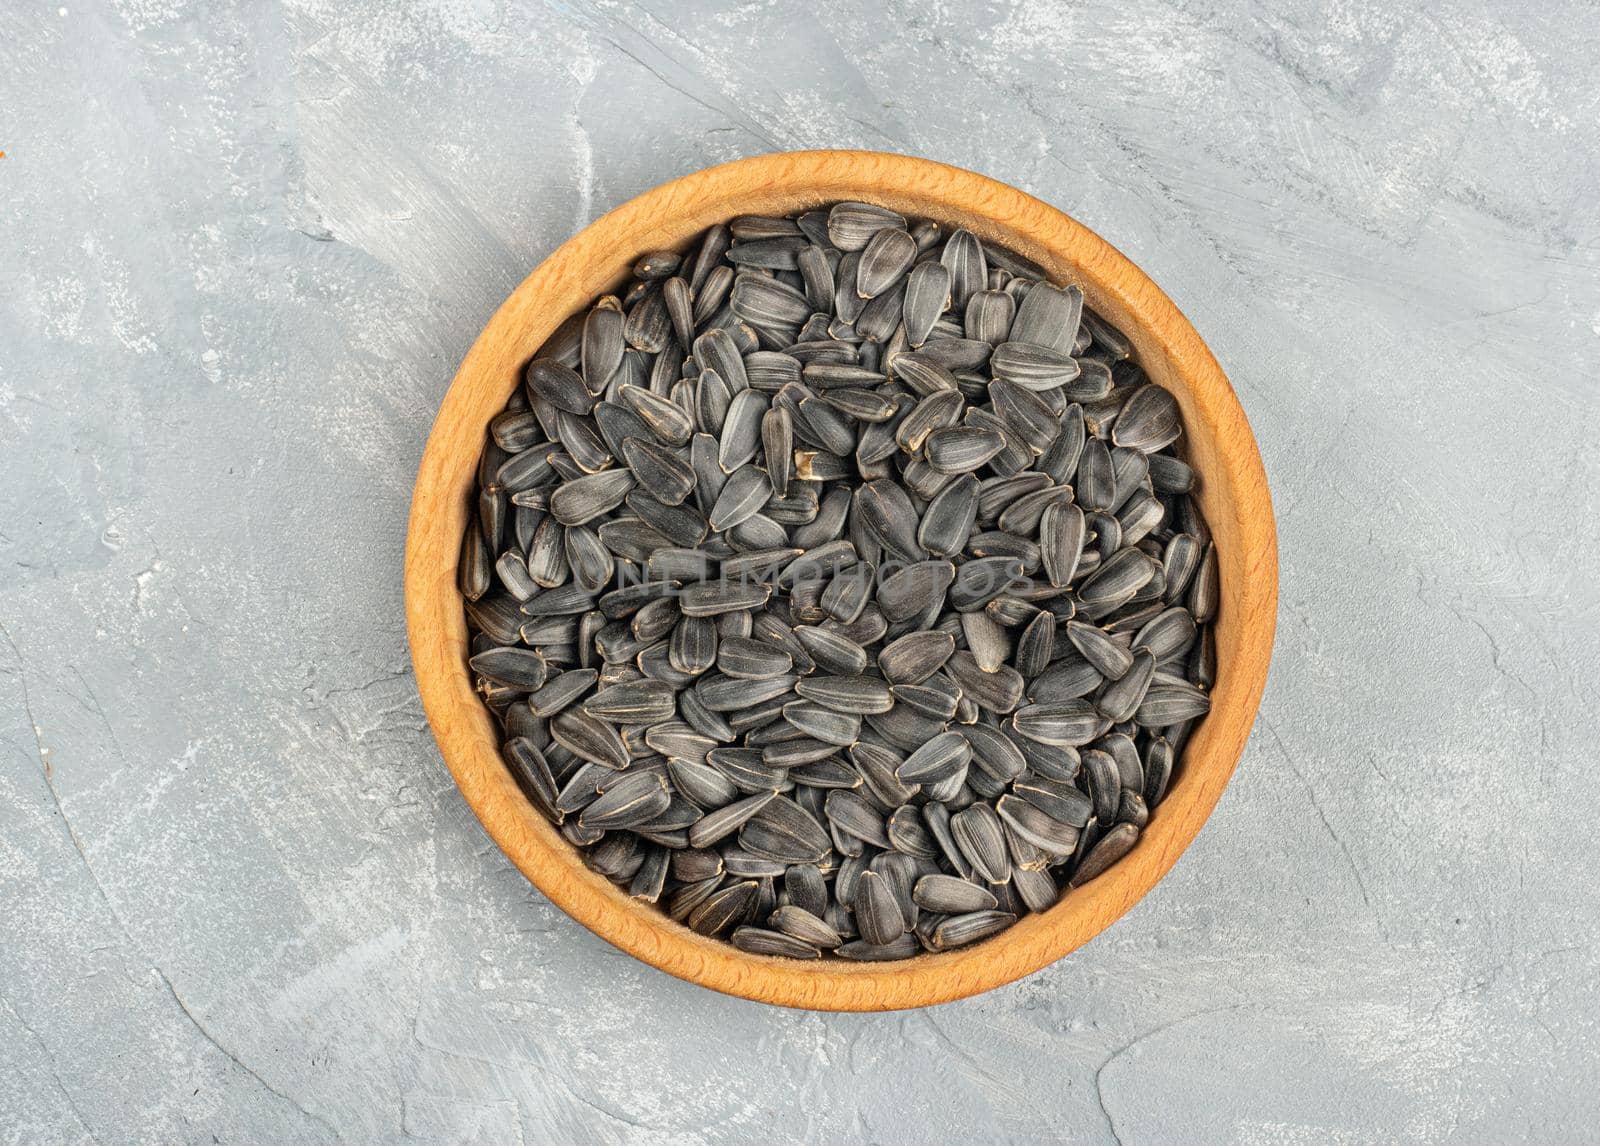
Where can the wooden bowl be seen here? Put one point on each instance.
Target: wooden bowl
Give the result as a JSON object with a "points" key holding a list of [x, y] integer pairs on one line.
{"points": [[1233, 495]]}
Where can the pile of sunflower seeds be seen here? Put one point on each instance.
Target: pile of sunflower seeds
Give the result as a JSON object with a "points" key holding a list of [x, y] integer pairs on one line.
{"points": [[838, 588]]}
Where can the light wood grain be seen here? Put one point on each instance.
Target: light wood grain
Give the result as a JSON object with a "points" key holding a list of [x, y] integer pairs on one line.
{"points": [[1233, 496]]}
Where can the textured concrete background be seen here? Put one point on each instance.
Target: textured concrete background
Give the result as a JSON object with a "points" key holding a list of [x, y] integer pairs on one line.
{"points": [[243, 247]]}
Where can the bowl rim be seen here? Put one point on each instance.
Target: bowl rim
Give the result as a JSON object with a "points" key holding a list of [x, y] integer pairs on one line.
{"points": [[589, 264]]}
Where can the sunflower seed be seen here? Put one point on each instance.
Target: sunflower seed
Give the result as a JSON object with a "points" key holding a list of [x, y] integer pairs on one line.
{"points": [[799, 922], [915, 588], [745, 767], [1115, 844], [988, 642], [900, 872], [589, 738], [1033, 367], [752, 660], [710, 302], [993, 753], [586, 498], [823, 724], [1067, 722], [952, 895], [1203, 589], [511, 570], [702, 719], [1116, 581], [723, 822], [1203, 659], [666, 419], [927, 296], [960, 930], [847, 594], [724, 908], [559, 385], [1104, 783], [807, 891], [938, 700], [713, 597], [852, 814], [1109, 657], [878, 914], [816, 273], [886, 257], [1027, 414], [763, 301], [1158, 758], [617, 855], [832, 652], [725, 694], [950, 517], [1061, 533], [999, 690], [691, 896], [923, 375], [1168, 703], [1049, 317], [693, 865], [759, 941], [603, 344], [1054, 836], [1169, 475], [1167, 634], [782, 830], [860, 951], [1096, 485], [648, 326], [667, 476], [634, 799], [828, 773], [860, 695], [867, 629], [746, 491], [1128, 471], [718, 354], [914, 657], [1036, 645], [528, 764], [757, 564], [561, 690], [741, 431], [617, 423], [1179, 561], [988, 316], [963, 256], [851, 226], [977, 832], [961, 449], [944, 756], [701, 784], [672, 738], [886, 507], [1036, 888], [1123, 697], [521, 669], [635, 702], [651, 879]]}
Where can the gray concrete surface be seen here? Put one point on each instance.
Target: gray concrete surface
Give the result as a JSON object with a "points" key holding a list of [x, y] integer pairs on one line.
{"points": [[243, 247]]}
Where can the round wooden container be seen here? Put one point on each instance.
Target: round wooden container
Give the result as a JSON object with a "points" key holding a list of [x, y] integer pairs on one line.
{"points": [[1233, 495]]}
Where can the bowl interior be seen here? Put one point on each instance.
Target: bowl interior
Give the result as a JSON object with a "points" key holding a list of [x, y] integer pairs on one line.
{"points": [[1217, 442]]}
